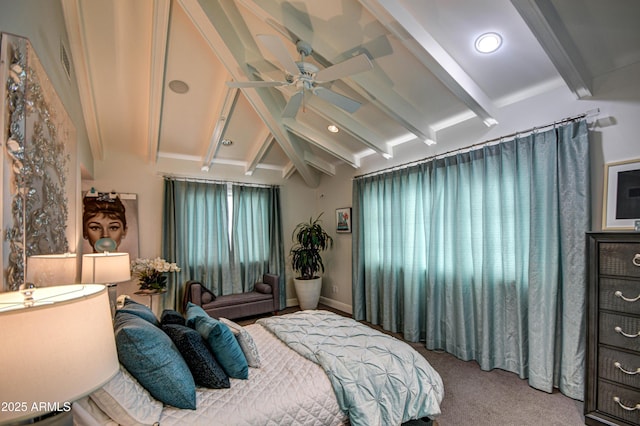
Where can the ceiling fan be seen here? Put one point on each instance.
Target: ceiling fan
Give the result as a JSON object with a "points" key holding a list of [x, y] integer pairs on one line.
{"points": [[306, 76]]}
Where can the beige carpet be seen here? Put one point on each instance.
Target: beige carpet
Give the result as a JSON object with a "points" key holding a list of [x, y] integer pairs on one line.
{"points": [[497, 397], [490, 398]]}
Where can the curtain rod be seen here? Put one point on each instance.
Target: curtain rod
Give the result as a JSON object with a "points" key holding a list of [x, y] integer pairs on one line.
{"points": [[589, 113], [222, 182]]}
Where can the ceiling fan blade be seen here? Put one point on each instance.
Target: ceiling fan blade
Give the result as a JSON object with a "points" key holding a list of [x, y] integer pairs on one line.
{"points": [[338, 100], [292, 107], [351, 66], [243, 84], [279, 50]]}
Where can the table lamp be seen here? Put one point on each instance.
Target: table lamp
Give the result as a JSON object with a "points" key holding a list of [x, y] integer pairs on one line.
{"points": [[55, 350], [106, 268], [51, 269]]}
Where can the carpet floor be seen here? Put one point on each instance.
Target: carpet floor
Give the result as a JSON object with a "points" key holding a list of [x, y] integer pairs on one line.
{"points": [[489, 398]]}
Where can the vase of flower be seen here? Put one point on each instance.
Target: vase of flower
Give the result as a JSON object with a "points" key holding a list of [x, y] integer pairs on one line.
{"points": [[151, 273]]}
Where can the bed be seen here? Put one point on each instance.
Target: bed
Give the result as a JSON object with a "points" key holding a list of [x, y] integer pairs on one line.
{"points": [[312, 368]]}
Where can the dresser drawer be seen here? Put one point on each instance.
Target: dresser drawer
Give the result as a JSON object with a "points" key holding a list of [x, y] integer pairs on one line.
{"points": [[611, 364], [620, 259], [626, 289], [609, 393], [609, 323]]}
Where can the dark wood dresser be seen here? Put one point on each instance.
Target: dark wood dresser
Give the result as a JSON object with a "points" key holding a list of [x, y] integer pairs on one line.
{"points": [[612, 393]]}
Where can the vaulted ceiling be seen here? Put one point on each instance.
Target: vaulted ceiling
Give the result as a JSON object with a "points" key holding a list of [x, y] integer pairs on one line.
{"points": [[154, 75]]}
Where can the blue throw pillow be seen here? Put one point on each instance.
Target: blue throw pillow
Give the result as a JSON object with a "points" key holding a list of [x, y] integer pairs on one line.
{"points": [[224, 346], [152, 358], [194, 311], [139, 310], [205, 369]]}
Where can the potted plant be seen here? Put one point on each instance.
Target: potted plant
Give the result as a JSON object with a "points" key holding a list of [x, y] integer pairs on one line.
{"points": [[309, 239]]}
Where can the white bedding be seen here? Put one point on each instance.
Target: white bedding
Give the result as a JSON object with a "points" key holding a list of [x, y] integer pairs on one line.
{"points": [[287, 390]]}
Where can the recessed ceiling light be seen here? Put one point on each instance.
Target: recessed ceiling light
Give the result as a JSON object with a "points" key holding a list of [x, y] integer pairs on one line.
{"points": [[488, 42], [178, 86], [332, 128], [226, 142]]}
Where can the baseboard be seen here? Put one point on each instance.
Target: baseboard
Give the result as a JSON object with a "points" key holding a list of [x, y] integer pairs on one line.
{"points": [[325, 301], [336, 305]]}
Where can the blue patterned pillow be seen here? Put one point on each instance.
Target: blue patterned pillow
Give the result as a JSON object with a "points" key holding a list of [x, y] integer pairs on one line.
{"points": [[205, 369], [152, 358], [139, 310], [224, 346]]}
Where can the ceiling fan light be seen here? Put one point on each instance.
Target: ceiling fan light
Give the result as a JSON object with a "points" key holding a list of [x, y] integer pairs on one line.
{"points": [[488, 42], [333, 128]]}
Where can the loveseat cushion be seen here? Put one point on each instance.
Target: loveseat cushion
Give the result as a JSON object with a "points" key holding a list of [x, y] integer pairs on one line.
{"points": [[237, 299]]}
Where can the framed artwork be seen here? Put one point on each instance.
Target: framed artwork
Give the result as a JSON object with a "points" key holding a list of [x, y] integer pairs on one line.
{"points": [[110, 215], [343, 220], [621, 195]]}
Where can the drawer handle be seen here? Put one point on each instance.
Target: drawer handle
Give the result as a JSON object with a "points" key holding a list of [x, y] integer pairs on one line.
{"points": [[619, 294], [631, 373], [636, 259], [624, 407], [618, 329]]}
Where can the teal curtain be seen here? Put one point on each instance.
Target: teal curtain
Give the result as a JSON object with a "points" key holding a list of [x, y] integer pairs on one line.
{"points": [[257, 236], [482, 254], [196, 237]]}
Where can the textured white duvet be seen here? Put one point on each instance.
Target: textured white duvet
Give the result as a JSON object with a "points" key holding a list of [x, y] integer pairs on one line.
{"points": [[287, 390]]}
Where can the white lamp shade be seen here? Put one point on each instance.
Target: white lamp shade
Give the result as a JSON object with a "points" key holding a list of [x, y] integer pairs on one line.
{"points": [[105, 268], [51, 269], [56, 351]]}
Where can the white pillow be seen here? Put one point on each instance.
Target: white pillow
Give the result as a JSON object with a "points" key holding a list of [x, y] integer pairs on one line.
{"points": [[246, 342], [126, 401]]}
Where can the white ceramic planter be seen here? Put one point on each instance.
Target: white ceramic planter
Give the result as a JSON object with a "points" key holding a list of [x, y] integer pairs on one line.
{"points": [[308, 292]]}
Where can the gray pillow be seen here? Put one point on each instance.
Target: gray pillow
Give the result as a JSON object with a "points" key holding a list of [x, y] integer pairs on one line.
{"points": [[263, 288], [248, 346]]}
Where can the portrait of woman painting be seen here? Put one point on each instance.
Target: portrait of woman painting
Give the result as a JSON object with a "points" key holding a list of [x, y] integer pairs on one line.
{"points": [[109, 215]]}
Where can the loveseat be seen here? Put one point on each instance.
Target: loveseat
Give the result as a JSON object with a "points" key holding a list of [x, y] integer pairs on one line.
{"points": [[265, 298]]}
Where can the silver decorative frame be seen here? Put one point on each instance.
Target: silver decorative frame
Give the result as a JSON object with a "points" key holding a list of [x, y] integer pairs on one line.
{"points": [[38, 157]]}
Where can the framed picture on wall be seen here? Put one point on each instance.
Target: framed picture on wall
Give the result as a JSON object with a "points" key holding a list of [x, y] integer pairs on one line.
{"points": [[621, 207], [113, 215], [343, 220]]}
